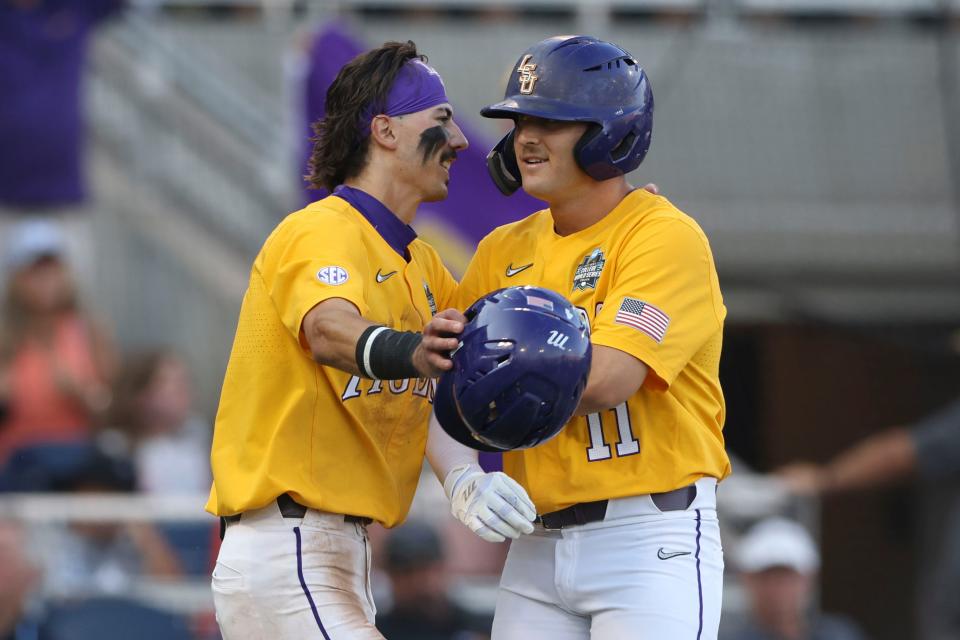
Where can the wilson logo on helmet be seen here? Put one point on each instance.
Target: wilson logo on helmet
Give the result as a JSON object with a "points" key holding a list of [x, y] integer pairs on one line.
{"points": [[527, 79], [557, 339]]}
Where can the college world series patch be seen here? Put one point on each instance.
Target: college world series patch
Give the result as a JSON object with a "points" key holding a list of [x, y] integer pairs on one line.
{"points": [[588, 271]]}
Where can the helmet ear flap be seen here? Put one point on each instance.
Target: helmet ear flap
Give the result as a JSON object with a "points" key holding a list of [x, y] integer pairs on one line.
{"points": [[614, 149], [582, 154], [502, 165], [593, 154]]}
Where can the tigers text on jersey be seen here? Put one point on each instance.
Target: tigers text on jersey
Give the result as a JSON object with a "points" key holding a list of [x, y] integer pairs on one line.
{"points": [[645, 279], [333, 441]]}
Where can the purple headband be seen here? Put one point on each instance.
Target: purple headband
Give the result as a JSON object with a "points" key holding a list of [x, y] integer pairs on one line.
{"points": [[417, 87]]}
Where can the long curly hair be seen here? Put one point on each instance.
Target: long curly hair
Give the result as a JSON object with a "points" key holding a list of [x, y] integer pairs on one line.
{"points": [[341, 143]]}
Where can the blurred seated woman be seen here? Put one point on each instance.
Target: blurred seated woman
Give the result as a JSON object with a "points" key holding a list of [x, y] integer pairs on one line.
{"points": [[55, 362]]}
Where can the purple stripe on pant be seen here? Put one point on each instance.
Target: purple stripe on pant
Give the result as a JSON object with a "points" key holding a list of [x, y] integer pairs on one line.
{"points": [[699, 581], [306, 591]]}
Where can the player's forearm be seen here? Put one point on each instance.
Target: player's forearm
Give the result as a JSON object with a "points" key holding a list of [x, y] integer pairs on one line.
{"points": [[594, 400], [332, 329], [614, 378], [876, 461], [444, 453], [339, 337]]}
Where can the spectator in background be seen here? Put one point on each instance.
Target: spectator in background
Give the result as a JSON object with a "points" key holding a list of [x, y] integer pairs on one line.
{"points": [[929, 449], [778, 564], [90, 558], [421, 607], [18, 577], [43, 52], [154, 407], [55, 362]]}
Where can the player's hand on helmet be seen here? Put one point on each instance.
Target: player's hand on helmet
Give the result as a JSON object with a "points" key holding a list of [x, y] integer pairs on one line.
{"points": [[492, 505], [440, 337]]}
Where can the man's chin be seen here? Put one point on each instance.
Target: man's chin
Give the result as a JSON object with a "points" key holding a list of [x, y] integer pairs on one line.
{"points": [[440, 193], [536, 188]]}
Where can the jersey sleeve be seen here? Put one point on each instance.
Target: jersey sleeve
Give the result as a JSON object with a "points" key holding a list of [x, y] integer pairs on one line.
{"points": [[303, 265], [664, 301]]}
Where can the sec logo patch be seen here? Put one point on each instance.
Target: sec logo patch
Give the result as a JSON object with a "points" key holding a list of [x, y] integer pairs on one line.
{"points": [[332, 275]]}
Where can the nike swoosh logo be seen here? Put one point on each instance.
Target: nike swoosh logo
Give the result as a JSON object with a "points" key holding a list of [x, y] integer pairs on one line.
{"points": [[666, 555], [384, 276], [512, 272]]}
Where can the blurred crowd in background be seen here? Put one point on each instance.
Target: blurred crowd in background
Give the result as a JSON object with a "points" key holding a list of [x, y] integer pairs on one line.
{"points": [[83, 413]]}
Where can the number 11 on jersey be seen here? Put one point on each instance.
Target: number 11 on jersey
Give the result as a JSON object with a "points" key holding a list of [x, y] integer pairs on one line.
{"points": [[627, 445]]}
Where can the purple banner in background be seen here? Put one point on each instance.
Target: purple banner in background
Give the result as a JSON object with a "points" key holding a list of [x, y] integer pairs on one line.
{"points": [[43, 53]]}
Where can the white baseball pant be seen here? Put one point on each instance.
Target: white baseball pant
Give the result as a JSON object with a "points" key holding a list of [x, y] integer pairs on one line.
{"points": [[279, 578], [640, 573]]}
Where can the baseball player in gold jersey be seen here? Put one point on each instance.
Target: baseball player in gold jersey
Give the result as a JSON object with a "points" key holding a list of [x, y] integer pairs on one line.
{"points": [[323, 414], [627, 542]]}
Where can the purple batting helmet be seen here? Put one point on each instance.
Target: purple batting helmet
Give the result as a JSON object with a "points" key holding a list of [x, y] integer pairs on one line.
{"points": [[518, 373], [578, 79]]}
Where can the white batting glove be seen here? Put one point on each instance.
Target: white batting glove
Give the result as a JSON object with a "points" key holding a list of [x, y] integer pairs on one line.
{"points": [[492, 505]]}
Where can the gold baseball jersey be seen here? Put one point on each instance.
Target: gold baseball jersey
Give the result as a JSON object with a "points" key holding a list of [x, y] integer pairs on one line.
{"points": [[334, 441], [645, 279]]}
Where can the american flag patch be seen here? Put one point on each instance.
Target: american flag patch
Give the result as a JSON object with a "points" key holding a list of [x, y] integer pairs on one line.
{"points": [[537, 301], [643, 316]]}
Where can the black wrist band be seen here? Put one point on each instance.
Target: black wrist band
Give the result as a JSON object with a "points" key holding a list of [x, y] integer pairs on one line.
{"points": [[385, 354], [362, 354]]}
